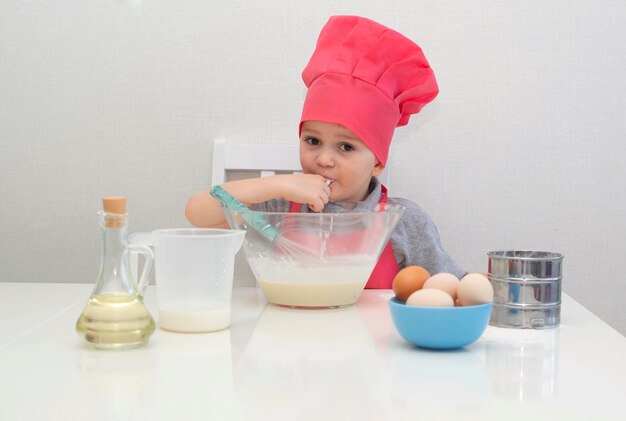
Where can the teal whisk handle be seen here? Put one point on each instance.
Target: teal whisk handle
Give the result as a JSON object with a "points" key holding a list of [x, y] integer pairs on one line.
{"points": [[255, 220]]}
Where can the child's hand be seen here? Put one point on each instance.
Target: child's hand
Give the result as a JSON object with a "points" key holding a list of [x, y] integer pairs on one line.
{"points": [[311, 189]]}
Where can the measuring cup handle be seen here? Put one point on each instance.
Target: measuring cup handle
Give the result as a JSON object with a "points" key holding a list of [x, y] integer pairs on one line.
{"points": [[142, 283]]}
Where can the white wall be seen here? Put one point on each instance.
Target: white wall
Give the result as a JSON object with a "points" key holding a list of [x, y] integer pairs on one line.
{"points": [[522, 149]]}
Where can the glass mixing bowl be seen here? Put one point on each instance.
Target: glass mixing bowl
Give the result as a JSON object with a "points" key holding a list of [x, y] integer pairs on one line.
{"points": [[315, 260]]}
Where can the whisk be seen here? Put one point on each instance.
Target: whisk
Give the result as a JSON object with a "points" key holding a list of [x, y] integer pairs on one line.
{"points": [[255, 220]]}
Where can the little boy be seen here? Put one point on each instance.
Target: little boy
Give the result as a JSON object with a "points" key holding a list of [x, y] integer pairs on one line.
{"points": [[363, 80]]}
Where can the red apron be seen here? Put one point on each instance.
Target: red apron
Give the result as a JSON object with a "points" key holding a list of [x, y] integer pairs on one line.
{"points": [[386, 268]]}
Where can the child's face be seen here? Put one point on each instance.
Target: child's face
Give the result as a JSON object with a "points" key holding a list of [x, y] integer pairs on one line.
{"points": [[336, 153]]}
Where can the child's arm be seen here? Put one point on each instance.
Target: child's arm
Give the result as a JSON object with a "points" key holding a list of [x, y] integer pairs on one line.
{"points": [[204, 211]]}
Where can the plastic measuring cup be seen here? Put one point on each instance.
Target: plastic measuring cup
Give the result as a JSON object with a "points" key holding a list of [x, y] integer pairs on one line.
{"points": [[194, 276]]}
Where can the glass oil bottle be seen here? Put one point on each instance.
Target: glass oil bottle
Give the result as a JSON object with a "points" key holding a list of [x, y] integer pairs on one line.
{"points": [[115, 316]]}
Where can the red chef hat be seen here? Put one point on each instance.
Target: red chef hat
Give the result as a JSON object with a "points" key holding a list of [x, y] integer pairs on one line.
{"points": [[367, 78]]}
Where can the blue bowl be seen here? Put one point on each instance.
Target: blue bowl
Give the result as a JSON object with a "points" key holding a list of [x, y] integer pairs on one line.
{"points": [[440, 327]]}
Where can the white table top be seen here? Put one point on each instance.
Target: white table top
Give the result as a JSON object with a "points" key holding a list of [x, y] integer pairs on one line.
{"points": [[276, 363]]}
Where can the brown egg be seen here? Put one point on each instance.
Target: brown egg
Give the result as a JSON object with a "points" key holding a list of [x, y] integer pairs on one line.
{"points": [[409, 280], [443, 281]]}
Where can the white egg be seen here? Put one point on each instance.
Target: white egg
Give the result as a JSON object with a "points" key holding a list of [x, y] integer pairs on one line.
{"points": [[443, 281], [430, 298], [474, 289]]}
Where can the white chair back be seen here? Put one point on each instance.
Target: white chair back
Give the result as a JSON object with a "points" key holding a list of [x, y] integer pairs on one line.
{"points": [[266, 159]]}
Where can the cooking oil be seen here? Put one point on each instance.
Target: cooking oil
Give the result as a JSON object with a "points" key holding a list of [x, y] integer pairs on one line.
{"points": [[115, 316], [115, 321]]}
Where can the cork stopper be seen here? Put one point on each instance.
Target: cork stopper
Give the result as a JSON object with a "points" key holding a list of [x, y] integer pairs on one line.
{"points": [[114, 204], [114, 208]]}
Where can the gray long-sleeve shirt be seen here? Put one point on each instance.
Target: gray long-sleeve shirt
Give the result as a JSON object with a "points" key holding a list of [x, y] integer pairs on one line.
{"points": [[414, 241]]}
